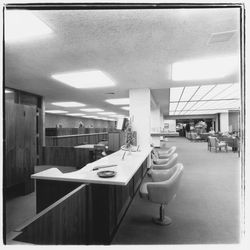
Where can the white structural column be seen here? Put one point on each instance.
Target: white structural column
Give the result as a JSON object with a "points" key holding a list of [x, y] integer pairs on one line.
{"points": [[161, 121], [224, 123], [140, 115]]}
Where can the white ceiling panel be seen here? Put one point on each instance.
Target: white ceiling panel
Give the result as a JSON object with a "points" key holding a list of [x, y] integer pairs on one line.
{"points": [[188, 93], [216, 91], [181, 105], [202, 91], [136, 48], [175, 94]]}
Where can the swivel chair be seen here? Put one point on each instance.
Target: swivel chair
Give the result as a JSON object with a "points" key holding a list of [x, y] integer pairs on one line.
{"points": [[169, 163], [164, 154], [162, 189]]}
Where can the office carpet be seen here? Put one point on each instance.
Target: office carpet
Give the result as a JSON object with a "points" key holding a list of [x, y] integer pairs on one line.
{"points": [[206, 209]]}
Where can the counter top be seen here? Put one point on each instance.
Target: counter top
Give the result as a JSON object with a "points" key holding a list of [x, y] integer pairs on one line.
{"points": [[125, 169]]}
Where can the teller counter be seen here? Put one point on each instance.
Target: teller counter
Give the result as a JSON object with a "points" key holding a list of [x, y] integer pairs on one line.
{"points": [[107, 199]]}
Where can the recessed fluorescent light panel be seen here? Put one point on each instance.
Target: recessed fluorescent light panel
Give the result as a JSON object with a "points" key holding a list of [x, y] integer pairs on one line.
{"points": [[23, 25], [85, 79], [6, 91], [210, 68], [206, 99], [68, 104], [106, 113], [118, 101], [76, 114], [56, 111], [91, 110], [125, 108]]}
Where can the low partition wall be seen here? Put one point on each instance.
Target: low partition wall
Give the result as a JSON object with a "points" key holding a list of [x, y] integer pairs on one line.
{"points": [[73, 131], [89, 214], [63, 222], [74, 140], [67, 156]]}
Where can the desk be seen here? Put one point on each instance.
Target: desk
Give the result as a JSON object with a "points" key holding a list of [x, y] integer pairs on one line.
{"points": [[108, 198]]}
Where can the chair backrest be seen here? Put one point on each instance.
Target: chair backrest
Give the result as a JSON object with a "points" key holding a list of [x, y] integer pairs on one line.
{"points": [[99, 151], [164, 191], [172, 160], [212, 141], [169, 163], [171, 150]]}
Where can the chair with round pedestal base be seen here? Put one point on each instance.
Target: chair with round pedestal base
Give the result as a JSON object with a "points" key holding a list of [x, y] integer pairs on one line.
{"points": [[162, 189]]}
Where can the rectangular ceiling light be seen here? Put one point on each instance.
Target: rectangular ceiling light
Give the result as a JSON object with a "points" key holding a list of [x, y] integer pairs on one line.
{"points": [[181, 105], [7, 91], [198, 105], [69, 104], [201, 92], [125, 107], [106, 113], [76, 114], [21, 25], [219, 88], [231, 92], [56, 111], [85, 79], [92, 110], [175, 94], [118, 101], [172, 106], [189, 105], [209, 68], [188, 93]]}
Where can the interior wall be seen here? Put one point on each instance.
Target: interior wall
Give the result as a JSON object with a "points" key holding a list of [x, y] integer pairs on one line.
{"points": [[170, 125], [233, 120], [224, 122], [52, 120]]}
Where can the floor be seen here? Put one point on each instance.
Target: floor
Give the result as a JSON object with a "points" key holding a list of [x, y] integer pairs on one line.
{"points": [[205, 211], [207, 206]]}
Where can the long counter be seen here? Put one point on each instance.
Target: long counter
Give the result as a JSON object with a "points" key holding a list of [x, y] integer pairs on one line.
{"points": [[107, 199], [125, 169]]}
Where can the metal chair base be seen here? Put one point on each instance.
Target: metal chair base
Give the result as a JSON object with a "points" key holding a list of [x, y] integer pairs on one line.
{"points": [[162, 221]]}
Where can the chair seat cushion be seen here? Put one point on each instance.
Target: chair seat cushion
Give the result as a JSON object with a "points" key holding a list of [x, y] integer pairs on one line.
{"points": [[144, 191]]}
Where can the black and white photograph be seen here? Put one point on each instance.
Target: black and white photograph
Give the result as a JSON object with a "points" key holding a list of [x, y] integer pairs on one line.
{"points": [[124, 124]]}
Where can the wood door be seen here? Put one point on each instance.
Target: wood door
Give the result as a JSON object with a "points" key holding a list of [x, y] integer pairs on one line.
{"points": [[20, 143]]}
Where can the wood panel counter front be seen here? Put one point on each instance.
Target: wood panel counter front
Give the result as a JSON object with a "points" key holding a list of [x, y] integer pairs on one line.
{"points": [[108, 198]]}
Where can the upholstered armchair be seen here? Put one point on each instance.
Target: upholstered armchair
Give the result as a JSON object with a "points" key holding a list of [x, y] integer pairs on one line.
{"points": [[162, 189], [169, 163], [163, 154], [216, 144]]}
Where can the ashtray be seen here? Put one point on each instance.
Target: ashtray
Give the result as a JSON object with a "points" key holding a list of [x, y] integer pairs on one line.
{"points": [[106, 174]]}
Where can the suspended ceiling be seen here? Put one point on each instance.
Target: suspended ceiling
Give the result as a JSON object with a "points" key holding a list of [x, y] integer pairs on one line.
{"points": [[136, 47]]}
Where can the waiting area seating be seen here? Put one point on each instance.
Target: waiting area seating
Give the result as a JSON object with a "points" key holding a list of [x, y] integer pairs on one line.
{"points": [[162, 189], [163, 154], [215, 143]]}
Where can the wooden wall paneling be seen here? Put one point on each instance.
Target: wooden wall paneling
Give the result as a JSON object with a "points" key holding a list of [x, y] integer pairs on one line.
{"points": [[30, 152], [64, 222], [10, 153], [20, 144], [137, 179], [61, 156], [91, 139], [123, 198], [55, 189], [104, 216], [82, 156], [40, 134]]}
